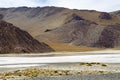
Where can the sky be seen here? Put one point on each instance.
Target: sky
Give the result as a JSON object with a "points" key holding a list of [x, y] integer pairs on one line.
{"points": [[99, 5]]}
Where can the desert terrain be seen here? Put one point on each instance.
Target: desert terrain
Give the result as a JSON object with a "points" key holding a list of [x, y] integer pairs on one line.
{"points": [[56, 43]]}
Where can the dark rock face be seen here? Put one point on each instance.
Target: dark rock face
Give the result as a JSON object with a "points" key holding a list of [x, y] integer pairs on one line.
{"points": [[105, 16], [47, 30], [14, 40], [106, 40], [1, 16], [74, 17], [110, 37]]}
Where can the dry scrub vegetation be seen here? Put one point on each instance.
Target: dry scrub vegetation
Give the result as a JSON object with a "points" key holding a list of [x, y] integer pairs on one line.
{"points": [[37, 72]]}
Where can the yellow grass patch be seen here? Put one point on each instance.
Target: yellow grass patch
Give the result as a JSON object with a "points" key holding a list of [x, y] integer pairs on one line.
{"points": [[71, 48]]}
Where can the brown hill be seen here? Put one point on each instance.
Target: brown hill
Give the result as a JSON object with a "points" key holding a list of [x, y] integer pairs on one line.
{"points": [[14, 40], [81, 32], [61, 25]]}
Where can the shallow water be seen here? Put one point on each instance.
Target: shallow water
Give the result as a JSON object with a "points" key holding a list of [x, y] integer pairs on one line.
{"points": [[37, 61]]}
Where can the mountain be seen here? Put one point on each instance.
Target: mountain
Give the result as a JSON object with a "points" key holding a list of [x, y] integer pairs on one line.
{"points": [[15, 40], [67, 26]]}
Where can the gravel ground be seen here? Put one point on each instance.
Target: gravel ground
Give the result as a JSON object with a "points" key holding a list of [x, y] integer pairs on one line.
{"points": [[78, 77], [80, 67]]}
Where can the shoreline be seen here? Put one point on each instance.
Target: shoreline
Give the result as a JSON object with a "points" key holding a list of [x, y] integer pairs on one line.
{"points": [[107, 51]]}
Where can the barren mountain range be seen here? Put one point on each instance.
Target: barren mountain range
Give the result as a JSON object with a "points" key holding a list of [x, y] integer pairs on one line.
{"points": [[67, 26]]}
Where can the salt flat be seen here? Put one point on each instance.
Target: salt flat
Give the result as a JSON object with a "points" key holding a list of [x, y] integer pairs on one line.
{"points": [[108, 57]]}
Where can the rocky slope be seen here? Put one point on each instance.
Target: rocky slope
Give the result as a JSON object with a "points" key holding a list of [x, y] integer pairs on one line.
{"points": [[15, 40], [61, 25]]}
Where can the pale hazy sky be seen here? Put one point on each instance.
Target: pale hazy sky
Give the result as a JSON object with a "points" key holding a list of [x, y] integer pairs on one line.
{"points": [[100, 5]]}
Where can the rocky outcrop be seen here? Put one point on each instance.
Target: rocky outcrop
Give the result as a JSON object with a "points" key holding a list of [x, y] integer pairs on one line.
{"points": [[110, 37], [1, 16], [105, 16], [15, 40], [73, 17]]}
